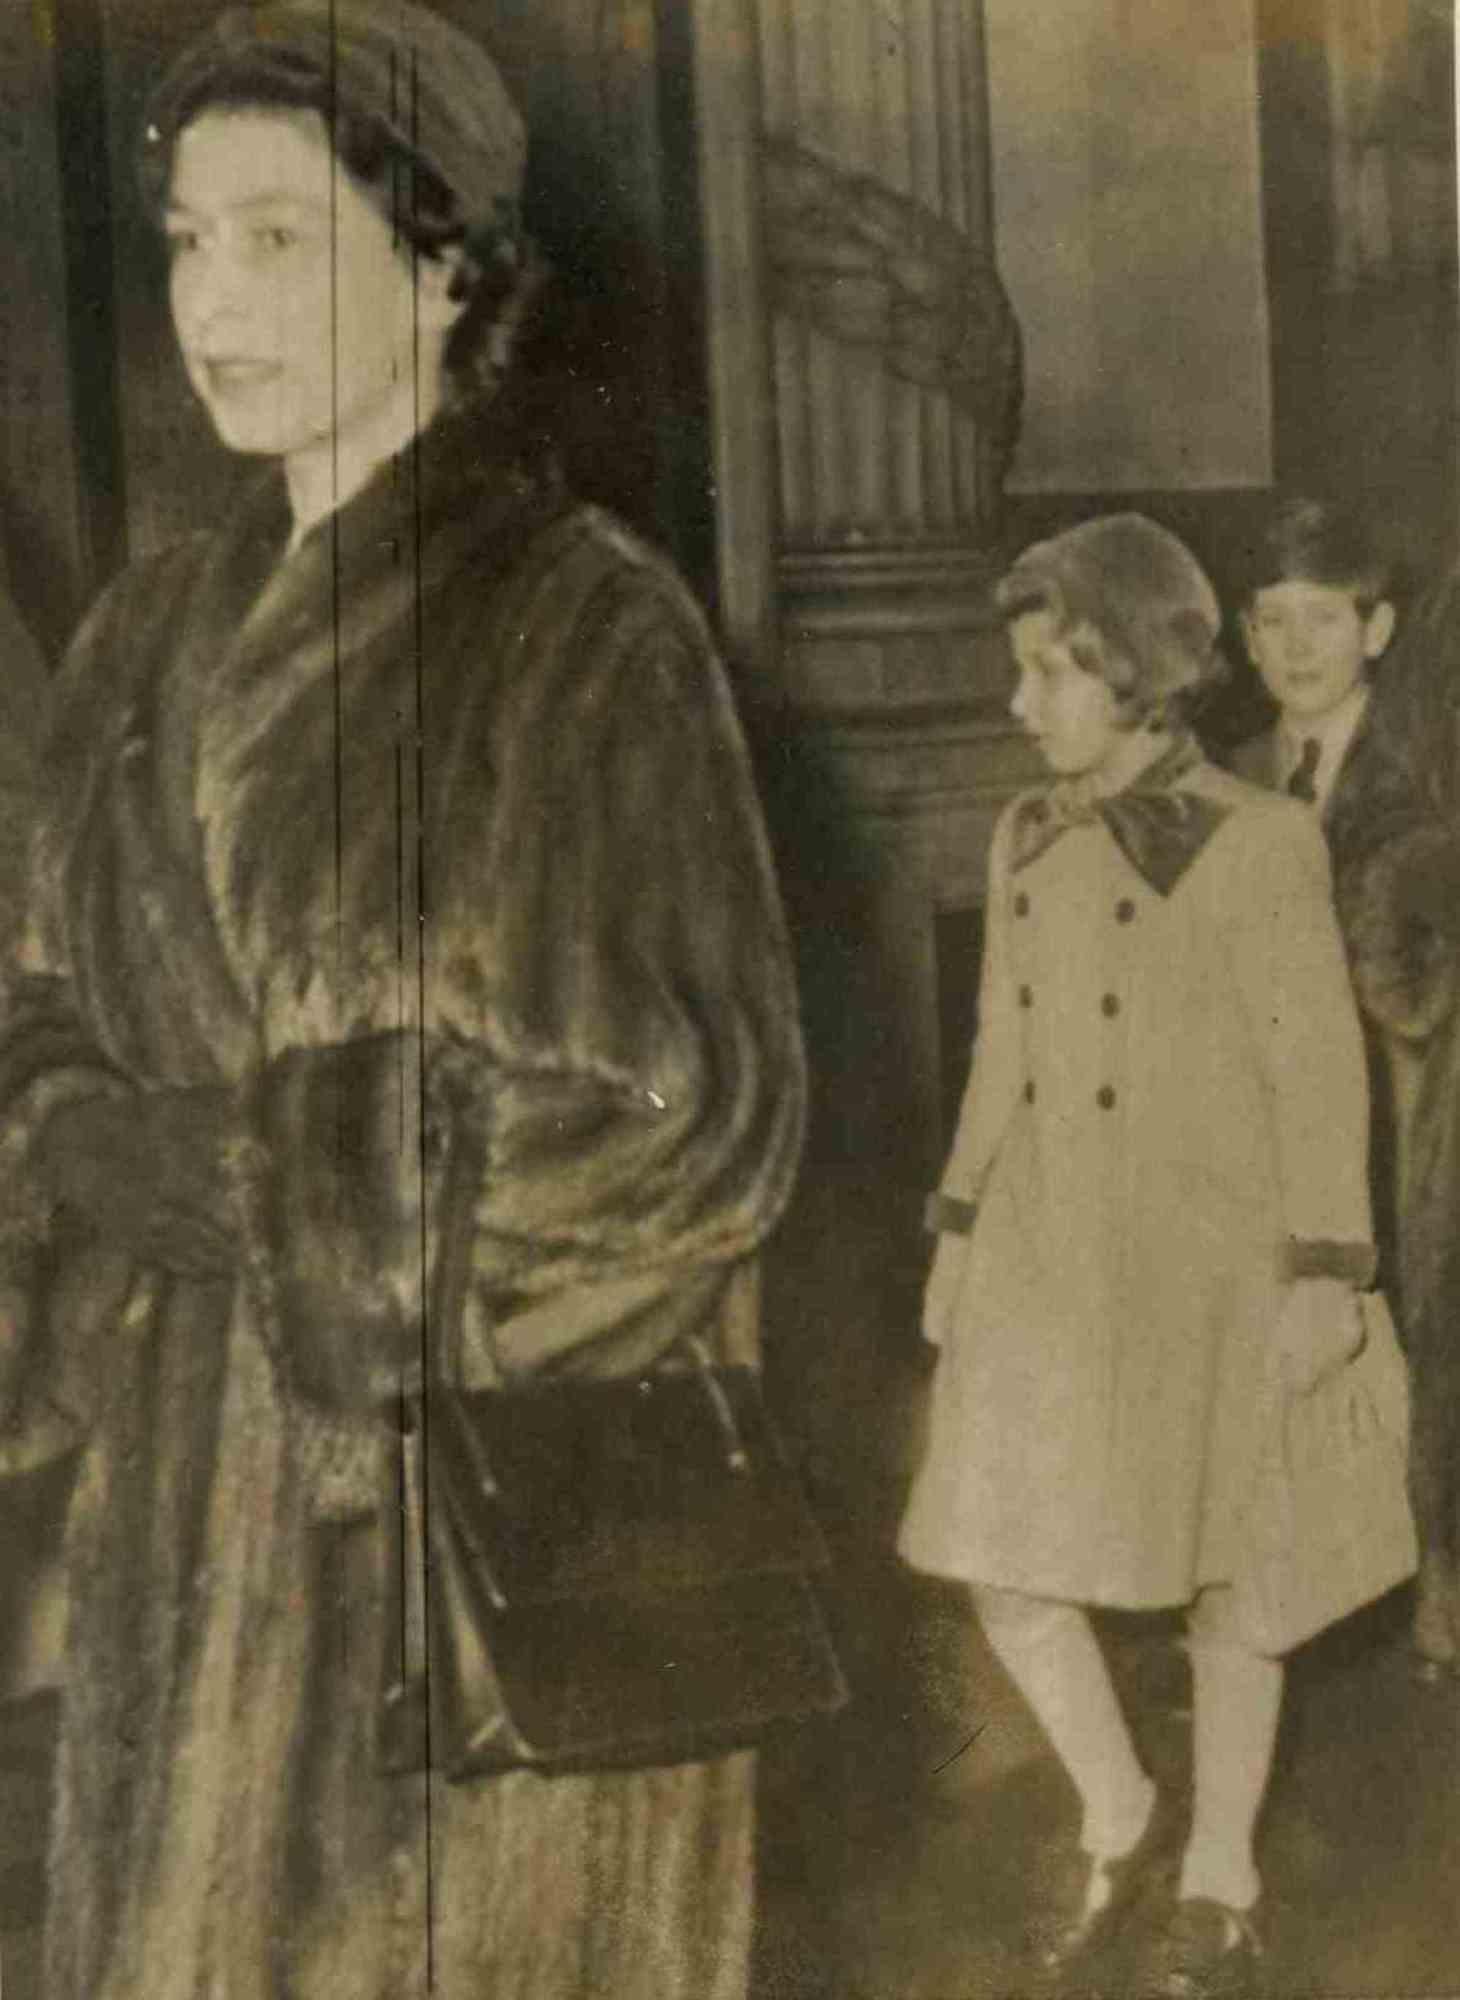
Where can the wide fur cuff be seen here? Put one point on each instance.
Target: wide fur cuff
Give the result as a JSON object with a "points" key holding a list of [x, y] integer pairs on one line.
{"points": [[1320, 1257], [946, 1215]]}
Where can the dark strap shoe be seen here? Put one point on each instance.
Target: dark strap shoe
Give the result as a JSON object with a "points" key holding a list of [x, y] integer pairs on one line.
{"points": [[1207, 1952], [1086, 1899]]}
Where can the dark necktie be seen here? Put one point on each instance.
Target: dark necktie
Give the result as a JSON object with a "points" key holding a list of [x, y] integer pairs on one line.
{"points": [[1301, 785]]}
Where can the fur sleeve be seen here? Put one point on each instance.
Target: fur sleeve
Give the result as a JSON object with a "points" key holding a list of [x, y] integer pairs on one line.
{"points": [[1405, 966], [1396, 830], [646, 1086], [604, 950]]}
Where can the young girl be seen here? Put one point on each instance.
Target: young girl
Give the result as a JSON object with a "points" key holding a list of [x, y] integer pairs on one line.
{"points": [[1155, 1208]]}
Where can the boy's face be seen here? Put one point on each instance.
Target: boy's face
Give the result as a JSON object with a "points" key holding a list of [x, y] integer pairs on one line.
{"points": [[1071, 714], [1311, 643]]}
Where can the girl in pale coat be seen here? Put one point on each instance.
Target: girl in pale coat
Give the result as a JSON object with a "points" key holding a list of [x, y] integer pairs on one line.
{"points": [[1154, 1210]]}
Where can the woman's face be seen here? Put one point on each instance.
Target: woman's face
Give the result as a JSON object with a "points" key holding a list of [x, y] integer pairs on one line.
{"points": [[300, 318]]}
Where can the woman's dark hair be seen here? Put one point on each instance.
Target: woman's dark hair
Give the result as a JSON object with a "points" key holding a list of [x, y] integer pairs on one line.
{"points": [[498, 272], [1304, 540]]}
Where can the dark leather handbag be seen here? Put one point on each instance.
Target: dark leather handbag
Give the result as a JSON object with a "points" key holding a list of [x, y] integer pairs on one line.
{"points": [[618, 1572]]}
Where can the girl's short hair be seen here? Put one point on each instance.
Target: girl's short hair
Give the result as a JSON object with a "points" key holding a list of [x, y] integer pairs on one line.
{"points": [[1134, 606], [1303, 540]]}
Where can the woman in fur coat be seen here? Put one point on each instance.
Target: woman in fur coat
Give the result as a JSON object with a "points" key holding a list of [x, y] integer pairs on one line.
{"points": [[412, 772], [1396, 846], [1153, 1220]]}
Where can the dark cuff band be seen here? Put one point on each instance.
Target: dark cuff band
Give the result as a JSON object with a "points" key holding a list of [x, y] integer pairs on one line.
{"points": [[1318, 1257], [946, 1215]]}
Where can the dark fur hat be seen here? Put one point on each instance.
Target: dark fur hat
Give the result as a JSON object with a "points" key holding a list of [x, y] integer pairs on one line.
{"points": [[431, 92], [1137, 591]]}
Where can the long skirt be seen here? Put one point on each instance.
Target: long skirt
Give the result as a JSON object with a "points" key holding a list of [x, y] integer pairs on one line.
{"points": [[223, 1827]]}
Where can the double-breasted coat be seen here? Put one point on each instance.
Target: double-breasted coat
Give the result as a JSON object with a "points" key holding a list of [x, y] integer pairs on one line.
{"points": [[1165, 1122]]}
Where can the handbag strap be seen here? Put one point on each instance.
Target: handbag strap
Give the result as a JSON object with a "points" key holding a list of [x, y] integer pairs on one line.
{"points": [[737, 1458], [465, 1167]]}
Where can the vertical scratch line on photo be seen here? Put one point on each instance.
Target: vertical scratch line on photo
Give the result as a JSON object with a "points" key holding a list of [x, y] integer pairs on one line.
{"points": [[431, 1337]]}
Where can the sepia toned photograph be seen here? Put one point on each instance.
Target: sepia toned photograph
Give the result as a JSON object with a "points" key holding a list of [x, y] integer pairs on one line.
{"points": [[729, 1000]]}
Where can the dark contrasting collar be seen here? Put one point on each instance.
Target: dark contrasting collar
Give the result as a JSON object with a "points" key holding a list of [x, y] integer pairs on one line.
{"points": [[1159, 825]]}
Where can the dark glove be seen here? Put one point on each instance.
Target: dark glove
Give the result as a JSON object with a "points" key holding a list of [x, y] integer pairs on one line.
{"points": [[145, 1173]]}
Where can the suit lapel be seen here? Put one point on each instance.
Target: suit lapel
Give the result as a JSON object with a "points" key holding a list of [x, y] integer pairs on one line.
{"points": [[1352, 759]]}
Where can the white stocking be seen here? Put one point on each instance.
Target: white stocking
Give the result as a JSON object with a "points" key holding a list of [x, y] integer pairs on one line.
{"points": [[1052, 1656], [1237, 1696]]}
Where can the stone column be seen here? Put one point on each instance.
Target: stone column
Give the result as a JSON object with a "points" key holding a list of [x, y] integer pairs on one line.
{"points": [[866, 296], [893, 90]]}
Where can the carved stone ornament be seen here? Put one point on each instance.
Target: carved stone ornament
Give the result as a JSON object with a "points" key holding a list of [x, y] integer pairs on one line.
{"points": [[872, 267]]}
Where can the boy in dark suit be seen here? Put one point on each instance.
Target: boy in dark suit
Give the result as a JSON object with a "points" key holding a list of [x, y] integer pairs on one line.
{"points": [[1317, 617]]}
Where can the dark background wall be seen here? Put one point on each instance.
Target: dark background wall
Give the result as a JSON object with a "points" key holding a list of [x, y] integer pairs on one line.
{"points": [[46, 527]]}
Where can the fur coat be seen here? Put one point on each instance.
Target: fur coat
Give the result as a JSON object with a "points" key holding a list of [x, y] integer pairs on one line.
{"points": [[453, 789], [1396, 846]]}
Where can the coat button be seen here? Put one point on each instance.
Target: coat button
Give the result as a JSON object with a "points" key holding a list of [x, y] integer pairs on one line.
{"points": [[1029, 1092], [1125, 910], [1105, 1097], [1021, 905], [1110, 1006], [1026, 996]]}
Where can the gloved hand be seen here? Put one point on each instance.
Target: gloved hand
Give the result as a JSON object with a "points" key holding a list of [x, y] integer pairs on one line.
{"points": [[1318, 1330], [145, 1173]]}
